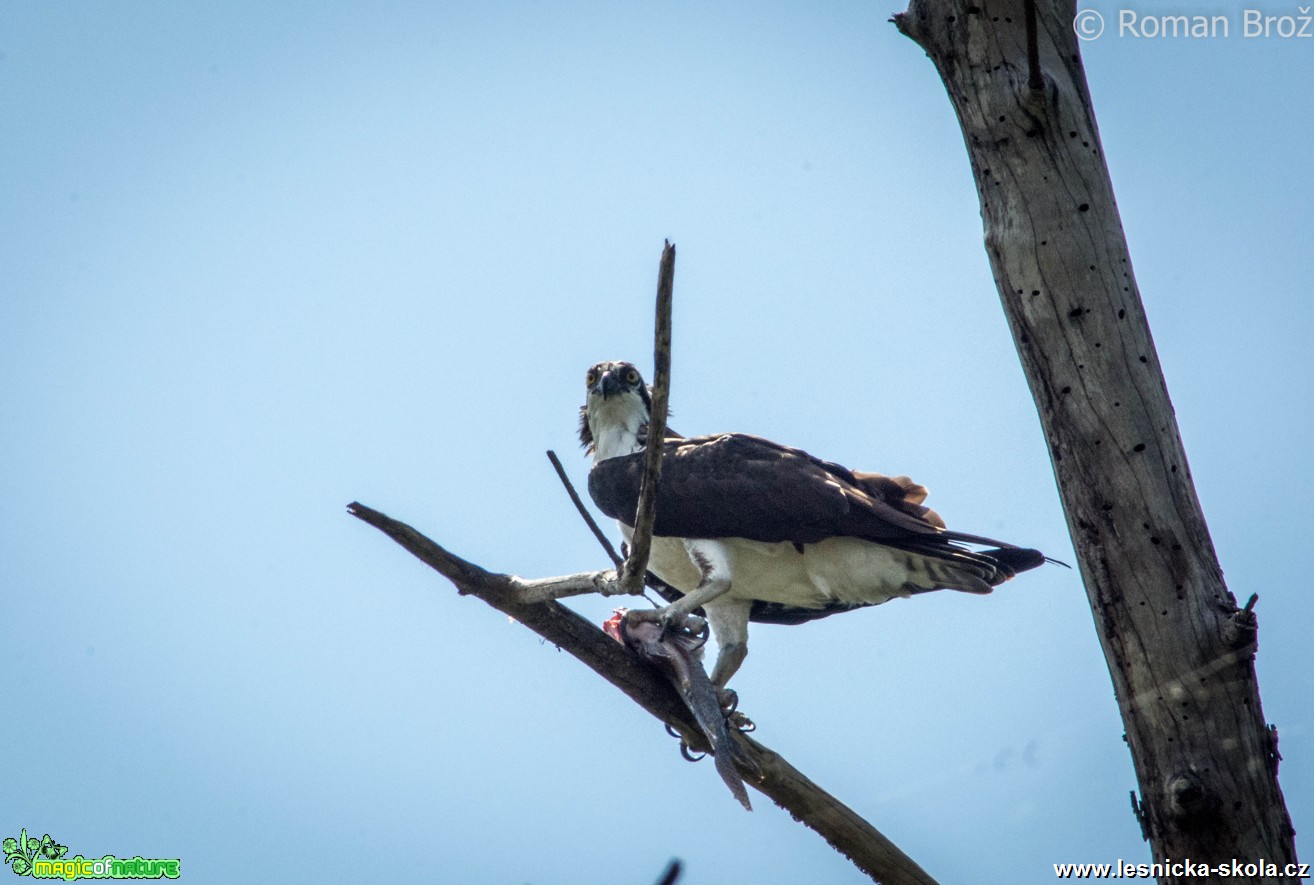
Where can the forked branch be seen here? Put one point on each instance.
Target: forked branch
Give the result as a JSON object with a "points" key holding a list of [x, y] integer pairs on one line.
{"points": [[762, 768]]}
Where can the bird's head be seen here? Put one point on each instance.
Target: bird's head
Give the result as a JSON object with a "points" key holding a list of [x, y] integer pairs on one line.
{"points": [[616, 408]]}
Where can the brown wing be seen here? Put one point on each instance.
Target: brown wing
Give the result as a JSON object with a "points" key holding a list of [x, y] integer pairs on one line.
{"points": [[899, 492], [738, 486], [741, 486]]}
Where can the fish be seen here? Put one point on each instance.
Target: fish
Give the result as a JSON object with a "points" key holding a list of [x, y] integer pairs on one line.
{"points": [[679, 656]]}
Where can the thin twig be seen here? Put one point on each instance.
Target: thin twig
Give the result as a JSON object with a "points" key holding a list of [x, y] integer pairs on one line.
{"points": [[671, 874], [641, 545], [762, 768], [579, 505], [543, 591]]}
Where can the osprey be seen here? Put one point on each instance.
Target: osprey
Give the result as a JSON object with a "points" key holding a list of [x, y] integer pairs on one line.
{"points": [[748, 529]]}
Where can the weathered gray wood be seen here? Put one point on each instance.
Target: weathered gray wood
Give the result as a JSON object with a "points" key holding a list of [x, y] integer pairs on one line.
{"points": [[1180, 652], [637, 565]]}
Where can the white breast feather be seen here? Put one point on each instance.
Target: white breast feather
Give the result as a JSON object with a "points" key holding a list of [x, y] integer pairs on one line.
{"points": [[614, 423], [844, 570]]}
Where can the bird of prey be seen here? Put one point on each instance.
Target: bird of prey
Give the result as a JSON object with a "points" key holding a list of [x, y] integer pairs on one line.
{"points": [[748, 529]]}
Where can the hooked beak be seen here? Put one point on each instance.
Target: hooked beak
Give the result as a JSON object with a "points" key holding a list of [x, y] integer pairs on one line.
{"points": [[608, 385]]}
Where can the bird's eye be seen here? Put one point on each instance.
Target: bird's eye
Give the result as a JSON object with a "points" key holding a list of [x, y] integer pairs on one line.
{"points": [[591, 378], [632, 377]]}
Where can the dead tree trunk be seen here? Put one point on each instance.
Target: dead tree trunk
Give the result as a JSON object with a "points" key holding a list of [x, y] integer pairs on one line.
{"points": [[1180, 652]]}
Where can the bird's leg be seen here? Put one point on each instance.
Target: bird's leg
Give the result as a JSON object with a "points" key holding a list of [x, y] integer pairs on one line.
{"points": [[714, 565], [728, 659], [729, 655], [728, 618]]}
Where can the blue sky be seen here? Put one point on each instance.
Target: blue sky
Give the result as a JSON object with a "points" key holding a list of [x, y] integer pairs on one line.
{"points": [[257, 261]]}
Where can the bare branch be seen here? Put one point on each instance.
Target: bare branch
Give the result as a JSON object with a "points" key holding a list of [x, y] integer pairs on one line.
{"points": [[637, 565], [764, 769], [579, 505], [553, 622], [530, 591]]}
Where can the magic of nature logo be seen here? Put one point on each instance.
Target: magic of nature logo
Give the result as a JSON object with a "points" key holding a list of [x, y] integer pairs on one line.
{"points": [[45, 858]]}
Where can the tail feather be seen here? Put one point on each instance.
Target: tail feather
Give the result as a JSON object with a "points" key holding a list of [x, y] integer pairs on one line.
{"points": [[976, 571], [1012, 560], [970, 575], [955, 568]]}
